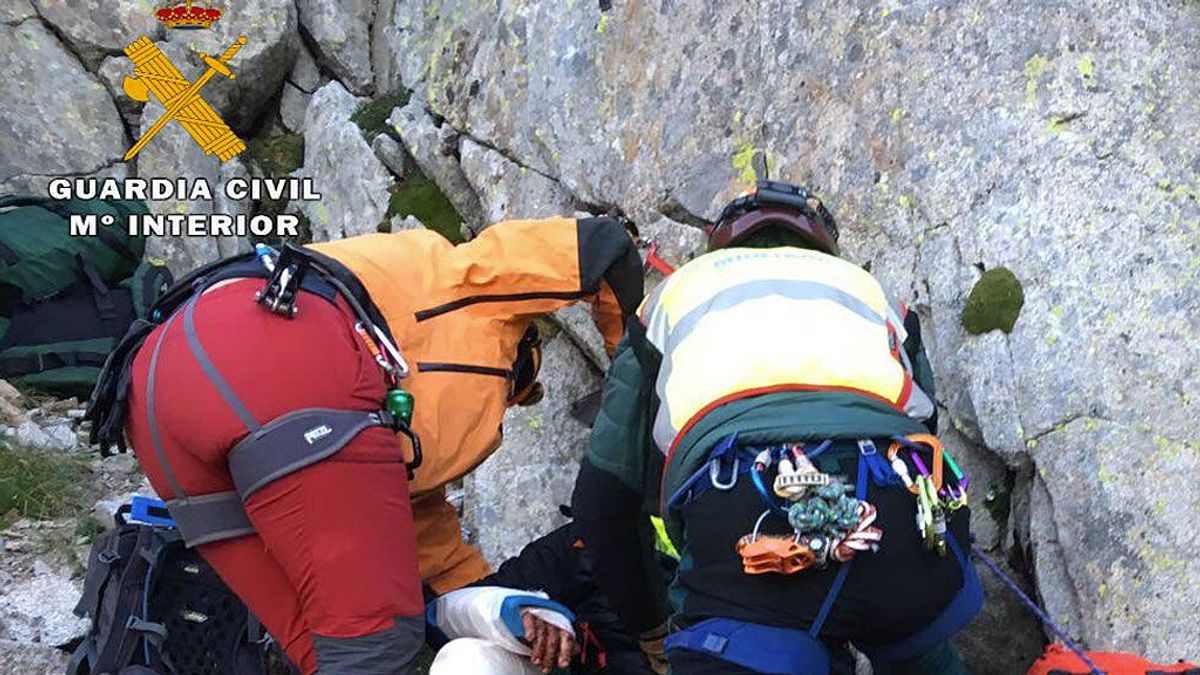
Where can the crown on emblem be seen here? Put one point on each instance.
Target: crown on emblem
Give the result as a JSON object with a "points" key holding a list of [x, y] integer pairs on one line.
{"points": [[188, 14]]}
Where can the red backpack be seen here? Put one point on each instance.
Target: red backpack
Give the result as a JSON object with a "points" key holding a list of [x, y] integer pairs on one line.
{"points": [[1058, 660]]}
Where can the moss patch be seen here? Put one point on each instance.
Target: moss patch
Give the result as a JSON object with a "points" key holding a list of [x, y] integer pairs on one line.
{"points": [[420, 197], [277, 156], [371, 117], [38, 484], [994, 303]]}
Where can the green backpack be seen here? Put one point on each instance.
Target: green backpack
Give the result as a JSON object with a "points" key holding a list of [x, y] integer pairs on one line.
{"points": [[66, 300]]}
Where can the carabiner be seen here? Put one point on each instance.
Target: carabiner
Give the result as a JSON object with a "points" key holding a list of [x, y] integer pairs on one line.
{"points": [[964, 481], [714, 474], [919, 442]]}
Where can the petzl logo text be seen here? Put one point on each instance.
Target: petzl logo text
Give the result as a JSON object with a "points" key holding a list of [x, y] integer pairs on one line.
{"points": [[317, 433]]}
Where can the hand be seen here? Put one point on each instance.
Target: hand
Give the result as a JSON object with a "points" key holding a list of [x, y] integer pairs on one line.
{"points": [[551, 645], [652, 644]]}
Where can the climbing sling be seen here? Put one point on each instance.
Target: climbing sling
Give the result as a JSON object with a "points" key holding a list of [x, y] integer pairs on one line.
{"points": [[271, 449]]}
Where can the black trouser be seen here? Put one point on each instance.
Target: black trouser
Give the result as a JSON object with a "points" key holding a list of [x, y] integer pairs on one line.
{"points": [[888, 595]]}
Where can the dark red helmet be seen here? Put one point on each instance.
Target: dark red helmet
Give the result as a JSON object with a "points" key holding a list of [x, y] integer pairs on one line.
{"points": [[772, 204]]}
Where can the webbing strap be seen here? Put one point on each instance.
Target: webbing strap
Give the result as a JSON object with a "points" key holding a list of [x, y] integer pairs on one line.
{"points": [[763, 649], [97, 574], [293, 441], [40, 362], [840, 580], [207, 518], [214, 375], [155, 434]]}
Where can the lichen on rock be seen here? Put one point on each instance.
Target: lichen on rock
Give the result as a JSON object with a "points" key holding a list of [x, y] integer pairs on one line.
{"points": [[994, 303]]}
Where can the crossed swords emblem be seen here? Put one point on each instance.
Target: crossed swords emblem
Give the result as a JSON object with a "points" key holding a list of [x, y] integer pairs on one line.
{"points": [[155, 74]]}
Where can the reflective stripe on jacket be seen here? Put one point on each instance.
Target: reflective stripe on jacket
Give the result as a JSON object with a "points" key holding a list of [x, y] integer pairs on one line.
{"points": [[832, 328]]}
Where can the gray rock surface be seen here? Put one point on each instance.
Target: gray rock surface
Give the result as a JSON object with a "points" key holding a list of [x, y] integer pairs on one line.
{"points": [[112, 72], [306, 74], [513, 497], [507, 190], [1057, 143], [352, 182], [96, 31], [434, 148], [384, 37], [340, 30], [273, 40], [55, 119], [38, 610], [26, 659], [13, 12], [293, 106], [676, 244], [30, 434], [391, 153], [173, 154]]}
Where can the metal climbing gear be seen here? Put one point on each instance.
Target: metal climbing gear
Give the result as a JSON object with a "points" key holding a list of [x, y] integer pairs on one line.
{"points": [[828, 521], [931, 517], [916, 443], [797, 476], [714, 474], [774, 554], [287, 273]]}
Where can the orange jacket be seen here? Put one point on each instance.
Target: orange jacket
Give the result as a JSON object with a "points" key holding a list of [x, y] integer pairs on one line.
{"points": [[457, 313]]}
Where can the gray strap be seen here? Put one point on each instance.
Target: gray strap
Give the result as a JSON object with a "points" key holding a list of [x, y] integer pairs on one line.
{"points": [[155, 436], [208, 518], [293, 441], [189, 327], [149, 628], [99, 569]]}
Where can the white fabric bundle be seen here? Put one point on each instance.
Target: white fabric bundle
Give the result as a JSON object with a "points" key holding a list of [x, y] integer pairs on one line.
{"points": [[494, 613]]}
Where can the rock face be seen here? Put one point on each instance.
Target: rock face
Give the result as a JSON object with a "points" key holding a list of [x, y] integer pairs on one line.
{"points": [[97, 31], [341, 32], [38, 610], [948, 138], [56, 118], [507, 190], [273, 39], [434, 147], [352, 182], [26, 659], [174, 154], [514, 496]]}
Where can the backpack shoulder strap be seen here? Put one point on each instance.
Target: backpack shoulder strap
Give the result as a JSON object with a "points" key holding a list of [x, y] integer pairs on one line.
{"points": [[107, 552], [129, 626]]}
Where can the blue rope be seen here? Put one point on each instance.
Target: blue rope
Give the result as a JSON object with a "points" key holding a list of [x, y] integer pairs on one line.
{"points": [[1049, 623]]}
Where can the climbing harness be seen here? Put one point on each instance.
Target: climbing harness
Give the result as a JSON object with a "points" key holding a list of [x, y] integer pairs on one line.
{"points": [[273, 448]]}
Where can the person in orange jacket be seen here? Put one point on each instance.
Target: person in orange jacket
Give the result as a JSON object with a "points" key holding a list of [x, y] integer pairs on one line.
{"points": [[255, 410]]}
